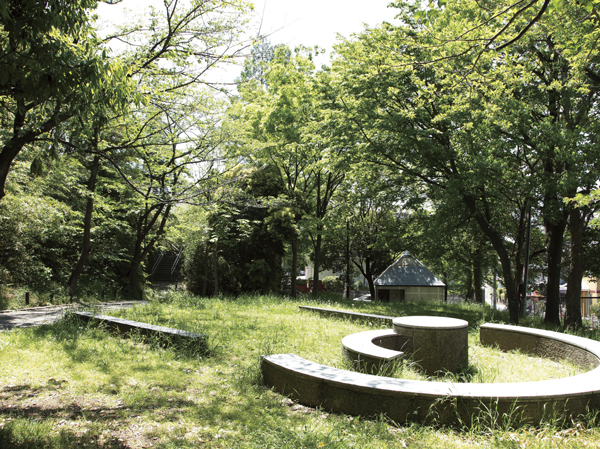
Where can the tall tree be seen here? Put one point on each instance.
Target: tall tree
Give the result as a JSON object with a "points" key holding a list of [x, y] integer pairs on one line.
{"points": [[283, 122], [502, 135], [51, 70], [367, 214], [422, 122], [166, 141]]}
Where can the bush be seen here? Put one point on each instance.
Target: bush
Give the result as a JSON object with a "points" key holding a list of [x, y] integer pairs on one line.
{"points": [[333, 283]]}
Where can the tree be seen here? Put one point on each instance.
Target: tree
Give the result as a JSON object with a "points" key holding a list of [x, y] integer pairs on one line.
{"points": [[497, 25], [421, 122], [247, 238], [52, 70], [284, 128], [163, 144], [365, 212], [496, 136], [572, 32], [37, 229], [447, 239]]}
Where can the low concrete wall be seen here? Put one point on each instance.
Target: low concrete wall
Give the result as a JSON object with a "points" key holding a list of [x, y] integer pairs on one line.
{"points": [[444, 402], [350, 315], [167, 335], [551, 345], [375, 351]]}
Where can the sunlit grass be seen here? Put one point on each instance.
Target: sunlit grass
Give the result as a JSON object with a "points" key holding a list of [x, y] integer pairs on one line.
{"points": [[72, 385]]}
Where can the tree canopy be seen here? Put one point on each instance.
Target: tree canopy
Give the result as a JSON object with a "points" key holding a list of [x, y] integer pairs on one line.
{"points": [[454, 135]]}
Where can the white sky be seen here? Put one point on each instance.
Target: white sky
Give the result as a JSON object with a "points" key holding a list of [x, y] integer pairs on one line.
{"points": [[295, 22], [317, 22]]}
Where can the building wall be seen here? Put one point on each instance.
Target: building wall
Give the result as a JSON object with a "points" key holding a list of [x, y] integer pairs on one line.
{"points": [[409, 294]]}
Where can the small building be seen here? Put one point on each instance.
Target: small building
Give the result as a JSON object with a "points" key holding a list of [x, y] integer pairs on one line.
{"points": [[408, 280], [589, 294]]}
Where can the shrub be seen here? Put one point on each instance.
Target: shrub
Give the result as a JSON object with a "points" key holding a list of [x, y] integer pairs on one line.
{"points": [[333, 283]]}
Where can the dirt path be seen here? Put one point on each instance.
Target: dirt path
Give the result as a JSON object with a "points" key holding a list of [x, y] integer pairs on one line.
{"points": [[45, 315]]}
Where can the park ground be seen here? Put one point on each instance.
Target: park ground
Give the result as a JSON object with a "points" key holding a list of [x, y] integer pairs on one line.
{"points": [[71, 385]]}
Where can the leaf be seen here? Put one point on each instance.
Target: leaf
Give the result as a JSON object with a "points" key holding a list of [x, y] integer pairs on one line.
{"points": [[420, 15]]}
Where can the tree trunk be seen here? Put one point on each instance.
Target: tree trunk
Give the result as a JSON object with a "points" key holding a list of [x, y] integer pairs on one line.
{"points": [[577, 224], [13, 146], [369, 277], [509, 281], [9, 152], [317, 246], [497, 241], [20, 138], [469, 294], [205, 270], [367, 273], [294, 267], [317, 263], [477, 277], [554, 246], [86, 246], [216, 269], [144, 230]]}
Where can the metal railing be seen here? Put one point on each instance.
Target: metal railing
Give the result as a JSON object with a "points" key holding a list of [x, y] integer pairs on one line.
{"points": [[157, 263], [174, 267]]}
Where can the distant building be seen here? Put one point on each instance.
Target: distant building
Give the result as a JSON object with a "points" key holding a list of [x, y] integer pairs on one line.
{"points": [[589, 294], [408, 280]]}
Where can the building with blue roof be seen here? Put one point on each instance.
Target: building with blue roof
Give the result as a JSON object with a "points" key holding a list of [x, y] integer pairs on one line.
{"points": [[408, 280]]}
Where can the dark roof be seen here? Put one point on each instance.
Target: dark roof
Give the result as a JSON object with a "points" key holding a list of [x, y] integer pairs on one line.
{"points": [[408, 271]]}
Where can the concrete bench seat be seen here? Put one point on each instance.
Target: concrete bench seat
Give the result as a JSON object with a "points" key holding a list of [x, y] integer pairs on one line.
{"points": [[450, 403], [371, 351], [168, 336]]}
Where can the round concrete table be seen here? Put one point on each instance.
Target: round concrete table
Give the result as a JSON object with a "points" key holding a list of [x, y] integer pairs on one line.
{"points": [[439, 343]]}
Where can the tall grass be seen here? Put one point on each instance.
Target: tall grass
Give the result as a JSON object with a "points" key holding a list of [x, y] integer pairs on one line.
{"points": [[73, 385]]}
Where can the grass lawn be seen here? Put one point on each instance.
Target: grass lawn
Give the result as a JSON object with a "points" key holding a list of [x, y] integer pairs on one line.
{"points": [[72, 385]]}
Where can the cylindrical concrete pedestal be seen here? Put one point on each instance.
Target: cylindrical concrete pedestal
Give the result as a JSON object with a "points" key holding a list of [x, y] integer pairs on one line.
{"points": [[439, 343]]}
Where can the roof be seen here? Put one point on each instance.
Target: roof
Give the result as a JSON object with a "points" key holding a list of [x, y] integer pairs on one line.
{"points": [[408, 271]]}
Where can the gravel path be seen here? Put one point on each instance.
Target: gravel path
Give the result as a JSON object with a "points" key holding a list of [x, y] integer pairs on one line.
{"points": [[44, 315]]}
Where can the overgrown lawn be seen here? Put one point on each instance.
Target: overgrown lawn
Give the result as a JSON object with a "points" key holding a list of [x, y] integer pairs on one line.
{"points": [[73, 385]]}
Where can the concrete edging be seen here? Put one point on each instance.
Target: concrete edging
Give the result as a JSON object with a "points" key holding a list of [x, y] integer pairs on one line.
{"points": [[168, 336], [449, 403], [345, 314]]}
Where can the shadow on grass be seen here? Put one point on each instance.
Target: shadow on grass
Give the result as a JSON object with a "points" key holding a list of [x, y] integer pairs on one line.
{"points": [[137, 421]]}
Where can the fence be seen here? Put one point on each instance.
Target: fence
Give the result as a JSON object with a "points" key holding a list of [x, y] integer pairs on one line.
{"points": [[586, 303]]}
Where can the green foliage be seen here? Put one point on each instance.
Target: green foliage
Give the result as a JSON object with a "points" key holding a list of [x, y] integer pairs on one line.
{"points": [[37, 233], [123, 137], [286, 127], [595, 309], [333, 283], [239, 247], [484, 132]]}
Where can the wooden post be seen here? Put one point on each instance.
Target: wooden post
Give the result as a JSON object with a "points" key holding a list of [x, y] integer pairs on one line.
{"points": [[27, 298]]}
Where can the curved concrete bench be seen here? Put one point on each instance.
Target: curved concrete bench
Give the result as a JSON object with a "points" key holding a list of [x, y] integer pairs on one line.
{"points": [[373, 351], [445, 402]]}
